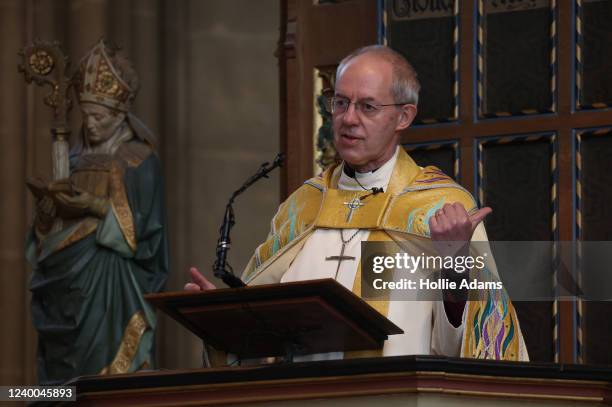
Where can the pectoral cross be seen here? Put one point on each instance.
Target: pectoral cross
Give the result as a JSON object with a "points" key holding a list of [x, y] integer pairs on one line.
{"points": [[353, 205], [341, 257]]}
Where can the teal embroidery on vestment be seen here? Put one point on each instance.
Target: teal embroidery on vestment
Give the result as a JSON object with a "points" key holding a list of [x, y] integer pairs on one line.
{"points": [[411, 216], [508, 338], [275, 244]]}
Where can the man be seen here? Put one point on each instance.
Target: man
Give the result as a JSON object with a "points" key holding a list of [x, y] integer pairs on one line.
{"points": [[317, 232], [89, 275]]}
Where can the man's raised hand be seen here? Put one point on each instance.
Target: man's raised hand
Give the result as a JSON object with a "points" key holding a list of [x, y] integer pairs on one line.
{"points": [[452, 223]]}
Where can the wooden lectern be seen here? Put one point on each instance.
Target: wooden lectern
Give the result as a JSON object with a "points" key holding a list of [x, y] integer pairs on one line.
{"points": [[289, 319]]}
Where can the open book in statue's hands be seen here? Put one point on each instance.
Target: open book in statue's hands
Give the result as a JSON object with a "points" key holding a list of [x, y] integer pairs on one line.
{"points": [[41, 188], [58, 191], [70, 201]]}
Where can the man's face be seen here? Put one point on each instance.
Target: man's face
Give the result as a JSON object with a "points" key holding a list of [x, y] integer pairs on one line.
{"points": [[367, 142], [100, 122]]}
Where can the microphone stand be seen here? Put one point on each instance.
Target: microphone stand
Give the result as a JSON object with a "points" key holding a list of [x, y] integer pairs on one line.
{"points": [[223, 244]]}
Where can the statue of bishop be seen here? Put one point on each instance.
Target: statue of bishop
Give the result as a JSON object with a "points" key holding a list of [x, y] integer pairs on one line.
{"points": [[90, 274]]}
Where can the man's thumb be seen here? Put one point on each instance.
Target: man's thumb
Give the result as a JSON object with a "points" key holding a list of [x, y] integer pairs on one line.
{"points": [[480, 214]]}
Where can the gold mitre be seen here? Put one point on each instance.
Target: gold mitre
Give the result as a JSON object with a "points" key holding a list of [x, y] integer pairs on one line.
{"points": [[99, 82]]}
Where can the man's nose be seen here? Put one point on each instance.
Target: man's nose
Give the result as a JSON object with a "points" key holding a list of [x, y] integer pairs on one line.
{"points": [[350, 116]]}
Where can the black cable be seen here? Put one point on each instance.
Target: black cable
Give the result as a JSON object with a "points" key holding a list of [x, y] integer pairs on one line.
{"points": [[348, 170]]}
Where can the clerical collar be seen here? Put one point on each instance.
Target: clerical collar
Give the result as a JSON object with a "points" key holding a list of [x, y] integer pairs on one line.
{"points": [[350, 171], [378, 178]]}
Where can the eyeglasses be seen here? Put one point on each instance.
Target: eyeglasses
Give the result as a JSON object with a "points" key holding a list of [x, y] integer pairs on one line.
{"points": [[340, 105]]}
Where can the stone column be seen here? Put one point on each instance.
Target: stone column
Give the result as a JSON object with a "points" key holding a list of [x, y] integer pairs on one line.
{"points": [[14, 131]]}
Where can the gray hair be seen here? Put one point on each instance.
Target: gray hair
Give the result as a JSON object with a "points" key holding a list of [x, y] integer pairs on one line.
{"points": [[405, 85]]}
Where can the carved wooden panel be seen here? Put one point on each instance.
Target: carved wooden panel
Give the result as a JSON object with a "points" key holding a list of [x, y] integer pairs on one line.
{"points": [[445, 155], [517, 179], [537, 323], [597, 331], [516, 57], [593, 54], [595, 166], [594, 223], [426, 33]]}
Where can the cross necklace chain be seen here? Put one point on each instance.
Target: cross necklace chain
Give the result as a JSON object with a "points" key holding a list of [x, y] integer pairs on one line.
{"points": [[352, 205]]}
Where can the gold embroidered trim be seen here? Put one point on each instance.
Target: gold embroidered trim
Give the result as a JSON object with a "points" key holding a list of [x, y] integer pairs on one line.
{"points": [[134, 152], [469, 349], [129, 345], [86, 227], [335, 212], [404, 173], [120, 205]]}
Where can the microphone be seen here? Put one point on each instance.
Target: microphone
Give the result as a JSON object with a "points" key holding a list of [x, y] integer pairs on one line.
{"points": [[220, 267]]}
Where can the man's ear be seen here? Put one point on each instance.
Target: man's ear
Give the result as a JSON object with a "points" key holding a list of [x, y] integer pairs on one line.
{"points": [[408, 113]]}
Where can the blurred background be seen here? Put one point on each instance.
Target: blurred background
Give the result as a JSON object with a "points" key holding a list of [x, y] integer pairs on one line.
{"points": [[208, 90]]}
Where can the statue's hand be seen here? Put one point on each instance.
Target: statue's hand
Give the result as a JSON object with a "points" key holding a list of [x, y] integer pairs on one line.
{"points": [[45, 214], [80, 204]]}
